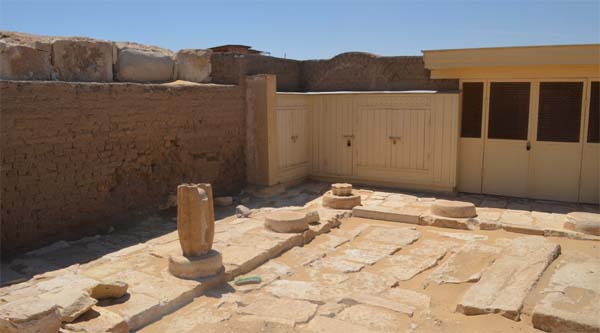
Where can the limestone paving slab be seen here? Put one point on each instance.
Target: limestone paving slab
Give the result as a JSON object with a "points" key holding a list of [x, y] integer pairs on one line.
{"points": [[282, 310], [406, 265], [504, 286], [571, 302], [466, 265]]}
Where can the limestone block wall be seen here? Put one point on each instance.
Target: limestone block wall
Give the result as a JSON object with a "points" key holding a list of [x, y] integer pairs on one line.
{"points": [[79, 59], [76, 156]]}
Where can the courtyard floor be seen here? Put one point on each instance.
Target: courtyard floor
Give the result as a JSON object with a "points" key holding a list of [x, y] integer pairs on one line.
{"points": [[343, 274]]}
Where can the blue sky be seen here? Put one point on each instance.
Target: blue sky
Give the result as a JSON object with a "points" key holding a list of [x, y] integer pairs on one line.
{"points": [[313, 29]]}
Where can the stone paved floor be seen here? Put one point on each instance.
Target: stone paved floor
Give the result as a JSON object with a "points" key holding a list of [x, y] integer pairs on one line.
{"points": [[366, 275], [373, 276]]}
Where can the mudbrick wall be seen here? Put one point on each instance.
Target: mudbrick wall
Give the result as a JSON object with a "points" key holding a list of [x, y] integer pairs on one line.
{"points": [[353, 71], [358, 71], [76, 155], [232, 68]]}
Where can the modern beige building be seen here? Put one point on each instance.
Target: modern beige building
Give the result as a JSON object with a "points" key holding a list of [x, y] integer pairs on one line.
{"points": [[529, 119], [524, 124]]}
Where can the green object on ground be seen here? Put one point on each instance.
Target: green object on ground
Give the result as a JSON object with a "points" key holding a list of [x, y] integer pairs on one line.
{"points": [[248, 280]]}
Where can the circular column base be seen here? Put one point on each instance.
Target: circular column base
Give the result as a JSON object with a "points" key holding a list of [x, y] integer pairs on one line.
{"points": [[284, 221], [196, 267], [341, 202], [453, 209]]}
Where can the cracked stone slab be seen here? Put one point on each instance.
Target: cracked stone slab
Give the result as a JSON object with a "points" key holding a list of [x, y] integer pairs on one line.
{"points": [[98, 320], [367, 283], [466, 265], [300, 290], [302, 256], [571, 302], [505, 284], [30, 314], [268, 273], [374, 318], [392, 235], [416, 260], [402, 213], [361, 298], [362, 256], [281, 310], [338, 264]]}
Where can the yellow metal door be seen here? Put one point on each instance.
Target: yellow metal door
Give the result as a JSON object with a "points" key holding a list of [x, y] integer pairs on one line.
{"points": [[556, 148], [507, 146], [409, 139]]}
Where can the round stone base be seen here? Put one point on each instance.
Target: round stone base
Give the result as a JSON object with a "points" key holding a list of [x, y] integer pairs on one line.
{"points": [[341, 202], [587, 223], [454, 209], [341, 189], [206, 265], [286, 221]]}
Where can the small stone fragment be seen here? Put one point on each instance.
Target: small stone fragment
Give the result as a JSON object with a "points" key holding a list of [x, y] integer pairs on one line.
{"points": [[72, 302], [312, 217], [242, 211], [112, 289]]}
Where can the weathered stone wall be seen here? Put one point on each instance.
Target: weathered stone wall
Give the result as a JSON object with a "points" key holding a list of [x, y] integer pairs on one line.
{"points": [[232, 68], [76, 155], [356, 71], [79, 59]]}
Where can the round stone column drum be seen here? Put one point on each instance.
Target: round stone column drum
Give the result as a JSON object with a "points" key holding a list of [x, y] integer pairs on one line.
{"points": [[341, 196], [286, 221], [453, 209]]}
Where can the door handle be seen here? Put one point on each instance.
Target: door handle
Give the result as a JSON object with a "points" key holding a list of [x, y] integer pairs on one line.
{"points": [[394, 138], [528, 146]]}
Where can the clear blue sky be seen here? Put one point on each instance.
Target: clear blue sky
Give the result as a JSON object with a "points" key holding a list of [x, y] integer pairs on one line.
{"points": [[313, 29]]}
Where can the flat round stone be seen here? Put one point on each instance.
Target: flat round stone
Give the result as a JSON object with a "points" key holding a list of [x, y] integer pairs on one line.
{"points": [[454, 209], [341, 202], [341, 189], [210, 264], [286, 221], [587, 223]]}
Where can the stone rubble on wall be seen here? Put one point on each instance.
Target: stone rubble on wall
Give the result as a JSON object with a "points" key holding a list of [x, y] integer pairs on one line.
{"points": [[31, 57]]}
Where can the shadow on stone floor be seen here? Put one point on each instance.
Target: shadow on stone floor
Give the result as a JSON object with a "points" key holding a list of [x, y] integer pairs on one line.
{"points": [[63, 254]]}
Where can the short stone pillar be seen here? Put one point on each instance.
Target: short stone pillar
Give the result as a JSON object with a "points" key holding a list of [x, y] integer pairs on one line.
{"points": [[286, 221], [453, 209], [341, 196], [196, 229]]}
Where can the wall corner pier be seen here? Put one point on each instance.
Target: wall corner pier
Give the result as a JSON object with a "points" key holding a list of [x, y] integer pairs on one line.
{"points": [[261, 130]]}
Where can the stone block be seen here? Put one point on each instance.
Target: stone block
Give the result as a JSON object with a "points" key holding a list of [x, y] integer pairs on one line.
{"points": [[386, 214], [193, 65], [587, 223], [25, 62], [138, 64], [85, 60], [522, 264], [99, 320], [109, 289], [30, 315], [72, 303]]}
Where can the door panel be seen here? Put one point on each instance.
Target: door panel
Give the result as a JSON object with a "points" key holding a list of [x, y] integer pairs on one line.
{"points": [[556, 151], [333, 123], [372, 137], [506, 165], [409, 139], [506, 158]]}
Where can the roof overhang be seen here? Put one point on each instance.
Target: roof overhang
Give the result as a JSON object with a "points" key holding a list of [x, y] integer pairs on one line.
{"points": [[461, 63]]}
